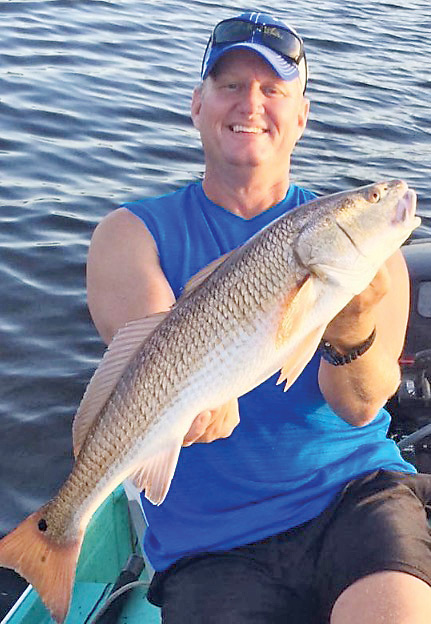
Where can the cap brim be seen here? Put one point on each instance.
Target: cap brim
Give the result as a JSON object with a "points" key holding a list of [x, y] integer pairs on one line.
{"points": [[285, 69]]}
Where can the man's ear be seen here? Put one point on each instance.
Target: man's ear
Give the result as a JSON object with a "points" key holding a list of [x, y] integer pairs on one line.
{"points": [[303, 116], [196, 105]]}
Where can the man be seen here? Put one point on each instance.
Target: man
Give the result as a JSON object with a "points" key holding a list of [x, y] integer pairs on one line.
{"points": [[305, 512]]}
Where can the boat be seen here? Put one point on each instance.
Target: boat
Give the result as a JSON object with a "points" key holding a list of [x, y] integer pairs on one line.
{"points": [[112, 575]]}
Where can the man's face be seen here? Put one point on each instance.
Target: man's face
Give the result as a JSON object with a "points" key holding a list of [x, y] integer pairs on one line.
{"points": [[247, 115]]}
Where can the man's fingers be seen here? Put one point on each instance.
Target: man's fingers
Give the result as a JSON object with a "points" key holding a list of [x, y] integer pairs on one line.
{"points": [[198, 428], [375, 291], [357, 316], [212, 425]]}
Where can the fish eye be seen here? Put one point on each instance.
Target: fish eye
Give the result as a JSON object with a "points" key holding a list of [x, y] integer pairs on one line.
{"points": [[374, 196]]}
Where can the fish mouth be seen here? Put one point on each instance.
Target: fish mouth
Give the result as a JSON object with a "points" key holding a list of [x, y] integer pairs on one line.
{"points": [[405, 212]]}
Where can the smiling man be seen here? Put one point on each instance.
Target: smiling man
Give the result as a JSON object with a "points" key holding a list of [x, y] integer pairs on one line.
{"points": [[249, 120], [304, 513]]}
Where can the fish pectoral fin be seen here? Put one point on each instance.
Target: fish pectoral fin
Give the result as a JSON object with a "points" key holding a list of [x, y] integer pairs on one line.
{"points": [[296, 301], [155, 474], [125, 344], [299, 357]]}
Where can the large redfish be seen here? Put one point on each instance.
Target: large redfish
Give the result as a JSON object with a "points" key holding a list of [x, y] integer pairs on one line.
{"points": [[262, 308]]}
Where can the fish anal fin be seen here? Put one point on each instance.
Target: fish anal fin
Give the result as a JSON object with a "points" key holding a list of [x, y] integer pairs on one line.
{"points": [[202, 275], [48, 565], [299, 357], [124, 346], [296, 301], [155, 474]]}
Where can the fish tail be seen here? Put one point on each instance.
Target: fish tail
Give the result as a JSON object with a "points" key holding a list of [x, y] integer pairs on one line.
{"points": [[45, 563]]}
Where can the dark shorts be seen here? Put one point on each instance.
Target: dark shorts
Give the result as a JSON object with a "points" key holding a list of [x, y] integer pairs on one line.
{"points": [[378, 522]]}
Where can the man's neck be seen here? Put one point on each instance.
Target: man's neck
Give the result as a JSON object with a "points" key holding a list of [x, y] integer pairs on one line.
{"points": [[246, 196]]}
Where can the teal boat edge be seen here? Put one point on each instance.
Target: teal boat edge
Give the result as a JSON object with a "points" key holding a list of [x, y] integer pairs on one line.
{"points": [[109, 541]]}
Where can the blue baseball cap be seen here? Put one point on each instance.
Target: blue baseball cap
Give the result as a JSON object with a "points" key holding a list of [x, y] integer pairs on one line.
{"points": [[276, 42]]}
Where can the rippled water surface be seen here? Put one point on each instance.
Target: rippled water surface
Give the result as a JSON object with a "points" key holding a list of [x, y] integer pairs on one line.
{"points": [[94, 101]]}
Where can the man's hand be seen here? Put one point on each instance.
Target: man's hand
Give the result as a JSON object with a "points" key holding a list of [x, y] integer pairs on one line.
{"points": [[356, 320], [211, 425]]}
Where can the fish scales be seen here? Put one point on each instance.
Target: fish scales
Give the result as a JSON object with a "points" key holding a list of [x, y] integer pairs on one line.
{"points": [[199, 324], [263, 308], [153, 365]]}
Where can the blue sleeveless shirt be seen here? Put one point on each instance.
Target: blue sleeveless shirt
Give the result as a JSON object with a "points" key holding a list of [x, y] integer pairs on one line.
{"points": [[290, 455]]}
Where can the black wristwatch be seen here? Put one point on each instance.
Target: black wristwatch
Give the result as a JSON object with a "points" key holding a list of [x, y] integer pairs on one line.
{"points": [[334, 357]]}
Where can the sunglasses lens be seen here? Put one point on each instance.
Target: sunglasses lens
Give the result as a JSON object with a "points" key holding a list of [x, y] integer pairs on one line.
{"points": [[232, 30], [278, 39], [282, 41]]}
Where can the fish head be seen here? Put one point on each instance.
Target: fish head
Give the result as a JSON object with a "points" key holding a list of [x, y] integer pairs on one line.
{"points": [[352, 233]]}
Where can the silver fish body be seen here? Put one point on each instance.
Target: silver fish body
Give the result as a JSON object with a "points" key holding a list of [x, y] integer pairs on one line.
{"points": [[261, 309]]}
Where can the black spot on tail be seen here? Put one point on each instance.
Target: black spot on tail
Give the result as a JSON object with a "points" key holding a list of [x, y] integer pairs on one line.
{"points": [[42, 525]]}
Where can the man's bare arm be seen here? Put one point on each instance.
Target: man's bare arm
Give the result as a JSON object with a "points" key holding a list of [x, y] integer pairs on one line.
{"points": [[124, 278], [356, 391], [125, 282]]}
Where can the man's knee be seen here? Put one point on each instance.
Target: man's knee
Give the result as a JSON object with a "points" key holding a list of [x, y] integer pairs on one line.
{"points": [[388, 597]]}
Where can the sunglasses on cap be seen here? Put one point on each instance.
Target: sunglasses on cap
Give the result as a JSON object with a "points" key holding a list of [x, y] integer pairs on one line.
{"points": [[277, 38]]}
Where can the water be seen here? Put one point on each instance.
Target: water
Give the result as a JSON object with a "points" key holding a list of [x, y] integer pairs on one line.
{"points": [[94, 101]]}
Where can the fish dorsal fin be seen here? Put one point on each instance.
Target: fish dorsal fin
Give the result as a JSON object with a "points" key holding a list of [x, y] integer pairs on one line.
{"points": [[202, 275], [155, 473], [120, 352]]}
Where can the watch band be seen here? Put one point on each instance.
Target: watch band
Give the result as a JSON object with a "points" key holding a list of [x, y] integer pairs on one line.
{"points": [[334, 357]]}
